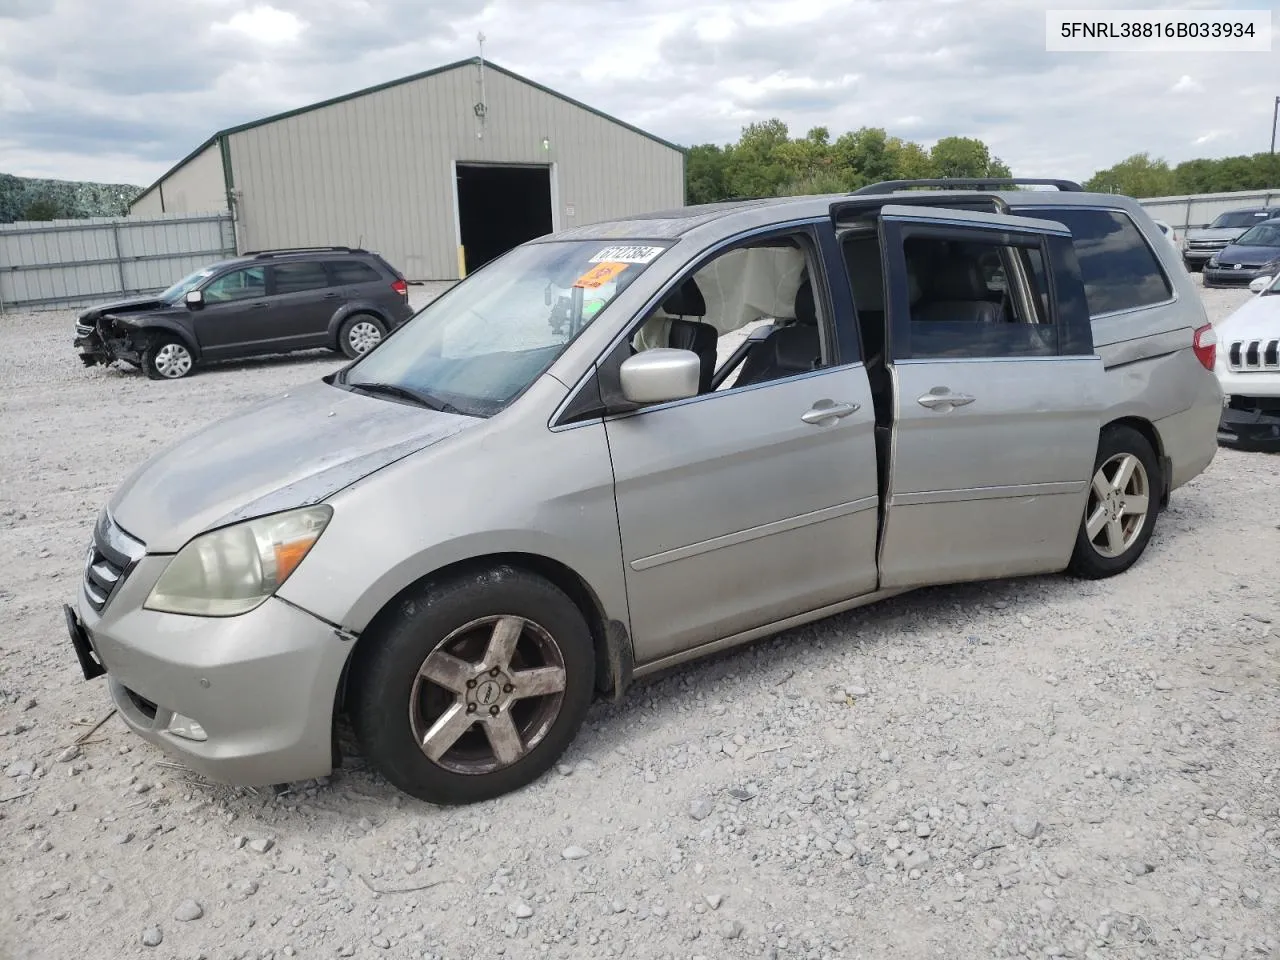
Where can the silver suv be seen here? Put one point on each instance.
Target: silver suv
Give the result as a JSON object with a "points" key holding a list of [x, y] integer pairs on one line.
{"points": [[629, 444]]}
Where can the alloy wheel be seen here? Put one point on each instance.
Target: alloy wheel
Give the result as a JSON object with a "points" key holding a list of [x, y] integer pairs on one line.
{"points": [[487, 695], [173, 360], [1119, 499]]}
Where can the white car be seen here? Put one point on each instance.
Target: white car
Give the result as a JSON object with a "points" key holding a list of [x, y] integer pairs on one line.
{"points": [[1168, 232], [1248, 368]]}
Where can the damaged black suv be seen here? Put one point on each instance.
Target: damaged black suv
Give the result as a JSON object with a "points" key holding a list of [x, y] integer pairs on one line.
{"points": [[270, 301]]}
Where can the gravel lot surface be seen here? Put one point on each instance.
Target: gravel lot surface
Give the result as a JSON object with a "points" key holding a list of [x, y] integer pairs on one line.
{"points": [[1041, 767]]}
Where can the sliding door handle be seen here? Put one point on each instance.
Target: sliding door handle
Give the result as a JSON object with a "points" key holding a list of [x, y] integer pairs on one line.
{"points": [[828, 411], [941, 399]]}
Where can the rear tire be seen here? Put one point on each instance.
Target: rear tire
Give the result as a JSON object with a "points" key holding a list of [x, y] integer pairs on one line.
{"points": [[168, 358], [473, 687], [1120, 513], [359, 334]]}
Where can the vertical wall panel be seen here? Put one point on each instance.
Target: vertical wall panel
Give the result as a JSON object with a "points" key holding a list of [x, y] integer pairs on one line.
{"points": [[378, 169]]}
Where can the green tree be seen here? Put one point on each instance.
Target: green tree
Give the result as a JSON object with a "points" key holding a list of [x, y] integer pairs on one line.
{"points": [[754, 168], [41, 208], [960, 157], [1137, 176], [705, 174]]}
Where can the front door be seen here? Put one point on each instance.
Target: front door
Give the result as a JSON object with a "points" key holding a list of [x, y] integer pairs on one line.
{"points": [[235, 312], [998, 396], [756, 500]]}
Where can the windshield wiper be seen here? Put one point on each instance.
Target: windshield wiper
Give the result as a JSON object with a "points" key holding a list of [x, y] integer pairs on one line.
{"points": [[419, 397]]}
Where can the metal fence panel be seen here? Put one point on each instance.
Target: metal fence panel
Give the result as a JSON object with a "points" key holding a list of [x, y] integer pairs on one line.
{"points": [[69, 263], [1201, 209]]}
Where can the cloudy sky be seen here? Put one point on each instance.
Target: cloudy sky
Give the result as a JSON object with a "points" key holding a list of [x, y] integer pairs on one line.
{"points": [[119, 90]]}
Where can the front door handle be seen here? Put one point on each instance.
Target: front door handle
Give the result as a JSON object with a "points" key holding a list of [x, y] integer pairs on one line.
{"points": [[941, 398], [828, 411]]}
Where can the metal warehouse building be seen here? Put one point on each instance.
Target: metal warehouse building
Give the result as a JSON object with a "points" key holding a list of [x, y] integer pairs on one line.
{"points": [[439, 172]]}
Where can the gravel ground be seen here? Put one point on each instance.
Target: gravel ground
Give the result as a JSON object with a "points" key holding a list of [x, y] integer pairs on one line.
{"points": [[1041, 768]]}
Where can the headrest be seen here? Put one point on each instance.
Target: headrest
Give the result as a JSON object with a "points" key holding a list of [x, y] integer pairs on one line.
{"points": [[806, 309], [956, 278], [685, 301]]}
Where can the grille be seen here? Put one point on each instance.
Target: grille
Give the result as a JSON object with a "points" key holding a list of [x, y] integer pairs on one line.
{"points": [[111, 556], [1207, 244], [1244, 356]]}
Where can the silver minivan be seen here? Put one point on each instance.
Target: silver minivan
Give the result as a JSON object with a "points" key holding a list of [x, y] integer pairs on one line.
{"points": [[629, 444]]}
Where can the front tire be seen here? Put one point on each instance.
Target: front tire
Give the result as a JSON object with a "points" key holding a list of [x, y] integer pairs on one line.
{"points": [[1120, 514], [472, 687], [359, 334], [168, 359]]}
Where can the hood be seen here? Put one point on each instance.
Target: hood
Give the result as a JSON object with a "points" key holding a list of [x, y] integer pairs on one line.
{"points": [[1215, 233], [1258, 318], [1238, 254], [132, 305], [290, 451]]}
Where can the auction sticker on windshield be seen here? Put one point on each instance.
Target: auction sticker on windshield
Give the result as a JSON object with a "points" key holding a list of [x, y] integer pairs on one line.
{"points": [[599, 275], [627, 254]]}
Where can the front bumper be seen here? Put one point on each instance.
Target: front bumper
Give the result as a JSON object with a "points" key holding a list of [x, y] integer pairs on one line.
{"points": [[1250, 423], [262, 686], [1198, 258], [1227, 277]]}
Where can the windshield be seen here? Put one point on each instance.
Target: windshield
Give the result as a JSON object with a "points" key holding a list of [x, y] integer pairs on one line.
{"points": [[185, 284], [1263, 235], [477, 347], [1240, 219]]}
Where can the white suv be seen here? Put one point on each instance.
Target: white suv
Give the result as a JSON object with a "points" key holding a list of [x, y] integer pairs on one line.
{"points": [[1248, 368]]}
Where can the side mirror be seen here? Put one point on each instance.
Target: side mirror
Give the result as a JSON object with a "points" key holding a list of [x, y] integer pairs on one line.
{"points": [[1258, 284], [195, 299], [660, 375]]}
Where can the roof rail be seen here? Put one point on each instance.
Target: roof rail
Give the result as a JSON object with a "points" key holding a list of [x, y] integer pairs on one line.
{"points": [[966, 183], [285, 251]]}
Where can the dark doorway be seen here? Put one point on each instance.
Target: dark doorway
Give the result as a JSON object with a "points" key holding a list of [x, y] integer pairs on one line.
{"points": [[500, 208]]}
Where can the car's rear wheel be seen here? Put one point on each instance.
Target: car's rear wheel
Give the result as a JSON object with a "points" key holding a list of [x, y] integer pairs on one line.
{"points": [[167, 359], [359, 334], [472, 687], [1123, 502]]}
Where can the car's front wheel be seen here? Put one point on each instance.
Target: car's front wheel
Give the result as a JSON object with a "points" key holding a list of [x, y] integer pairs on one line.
{"points": [[472, 687], [1120, 513], [359, 334], [167, 359]]}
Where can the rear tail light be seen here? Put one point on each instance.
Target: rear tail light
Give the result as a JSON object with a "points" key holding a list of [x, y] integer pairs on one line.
{"points": [[1205, 345], [401, 288]]}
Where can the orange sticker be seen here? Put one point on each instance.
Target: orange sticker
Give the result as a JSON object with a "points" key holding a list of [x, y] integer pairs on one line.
{"points": [[599, 275]]}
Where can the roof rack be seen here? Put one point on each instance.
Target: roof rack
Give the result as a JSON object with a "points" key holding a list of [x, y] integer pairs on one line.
{"points": [[285, 251], [966, 183]]}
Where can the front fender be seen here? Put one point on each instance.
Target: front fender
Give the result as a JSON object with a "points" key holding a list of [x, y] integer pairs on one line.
{"points": [[145, 333]]}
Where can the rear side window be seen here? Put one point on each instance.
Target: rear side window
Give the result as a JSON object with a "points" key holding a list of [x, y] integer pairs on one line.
{"points": [[1119, 269], [346, 272], [296, 277]]}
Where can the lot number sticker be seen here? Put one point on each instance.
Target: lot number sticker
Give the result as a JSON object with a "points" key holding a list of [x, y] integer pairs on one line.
{"points": [[631, 254], [599, 275]]}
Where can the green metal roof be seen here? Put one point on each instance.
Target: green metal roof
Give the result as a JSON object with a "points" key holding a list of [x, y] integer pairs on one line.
{"points": [[470, 61]]}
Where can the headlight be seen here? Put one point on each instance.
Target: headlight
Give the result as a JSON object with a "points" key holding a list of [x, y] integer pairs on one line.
{"points": [[233, 570]]}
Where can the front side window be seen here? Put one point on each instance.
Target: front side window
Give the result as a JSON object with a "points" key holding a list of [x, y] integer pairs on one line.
{"points": [[976, 298], [237, 285], [1119, 269], [751, 314], [478, 346], [298, 277]]}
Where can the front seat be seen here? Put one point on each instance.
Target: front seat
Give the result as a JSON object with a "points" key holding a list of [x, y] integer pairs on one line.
{"points": [[954, 290], [795, 348], [685, 334]]}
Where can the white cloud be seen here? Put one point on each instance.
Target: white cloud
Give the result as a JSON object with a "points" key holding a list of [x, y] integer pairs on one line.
{"points": [[265, 24], [691, 71]]}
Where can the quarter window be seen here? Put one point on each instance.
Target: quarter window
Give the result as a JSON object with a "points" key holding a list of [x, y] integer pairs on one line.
{"points": [[1119, 269], [346, 272], [236, 285], [297, 277]]}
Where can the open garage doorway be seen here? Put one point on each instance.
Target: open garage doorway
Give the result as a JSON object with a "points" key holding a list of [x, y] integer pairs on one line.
{"points": [[500, 207]]}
